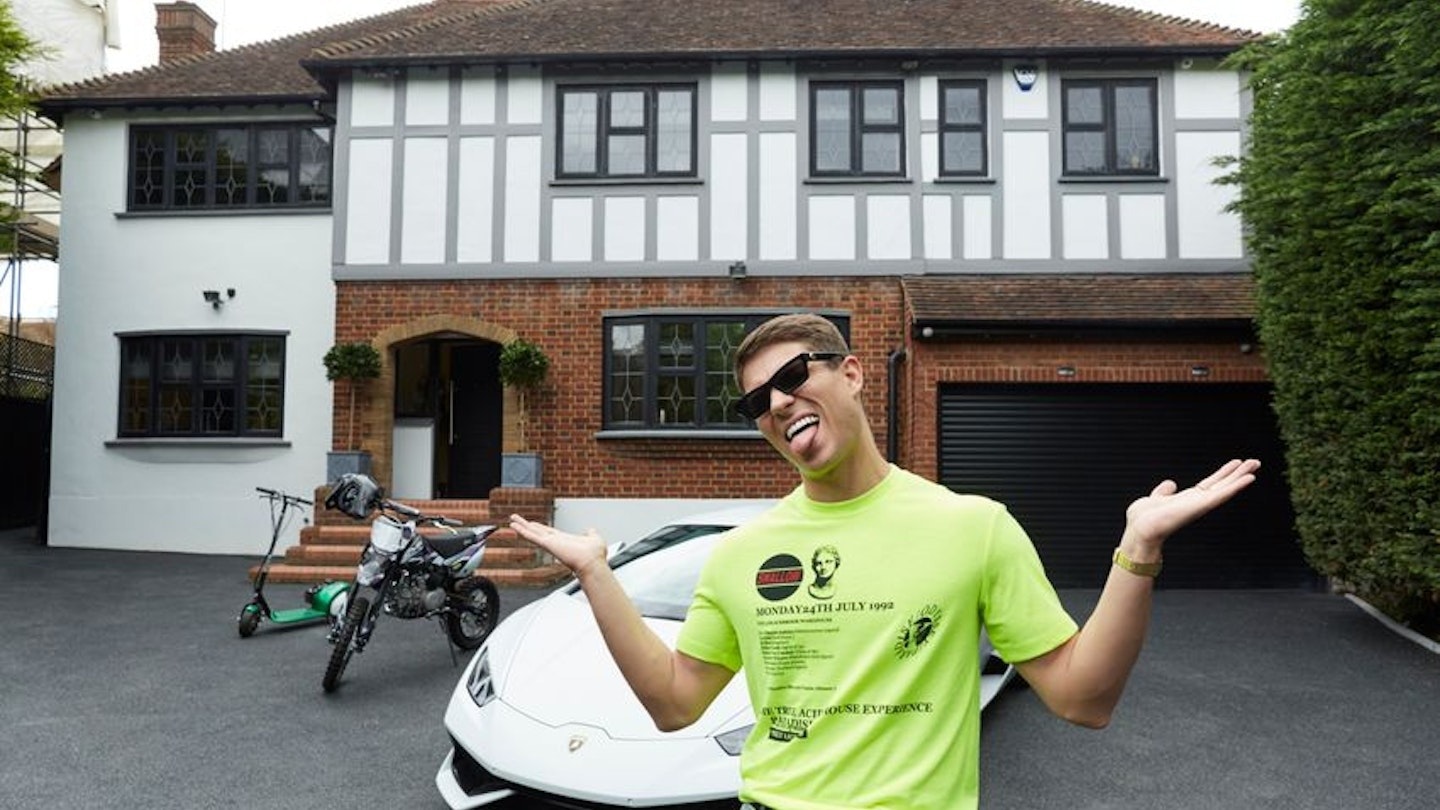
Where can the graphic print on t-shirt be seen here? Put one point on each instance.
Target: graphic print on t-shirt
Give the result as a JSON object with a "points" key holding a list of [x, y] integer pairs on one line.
{"points": [[803, 636]]}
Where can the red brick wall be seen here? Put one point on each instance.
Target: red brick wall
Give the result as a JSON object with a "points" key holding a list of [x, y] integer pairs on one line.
{"points": [[565, 318]]}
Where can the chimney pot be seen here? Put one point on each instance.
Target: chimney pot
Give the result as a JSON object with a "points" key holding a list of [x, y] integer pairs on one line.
{"points": [[184, 29]]}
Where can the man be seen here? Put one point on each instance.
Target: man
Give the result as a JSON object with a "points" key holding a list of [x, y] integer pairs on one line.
{"points": [[870, 698]]}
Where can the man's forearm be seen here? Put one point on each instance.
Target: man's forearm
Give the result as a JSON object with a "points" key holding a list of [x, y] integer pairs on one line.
{"points": [[1084, 679]]}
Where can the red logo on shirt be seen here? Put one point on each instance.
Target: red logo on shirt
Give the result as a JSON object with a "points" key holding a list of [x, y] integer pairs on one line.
{"points": [[779, 577]]}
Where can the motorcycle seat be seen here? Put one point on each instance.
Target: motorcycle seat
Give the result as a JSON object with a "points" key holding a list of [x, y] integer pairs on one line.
{"points": [[448, 545]]}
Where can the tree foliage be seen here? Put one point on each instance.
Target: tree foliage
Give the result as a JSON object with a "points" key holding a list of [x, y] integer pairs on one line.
{"points": [[355, 363], [1341, 192], [17, 96]]}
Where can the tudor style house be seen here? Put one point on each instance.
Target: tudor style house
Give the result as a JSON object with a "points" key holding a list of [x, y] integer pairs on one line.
{"points": [[1011, 209]]}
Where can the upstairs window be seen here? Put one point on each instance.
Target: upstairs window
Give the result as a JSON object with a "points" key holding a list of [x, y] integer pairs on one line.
{"points": [[676, 371], [962, 129], [188, 168], [857, 129], [1111, 127], [626, 131], [202, 386]]}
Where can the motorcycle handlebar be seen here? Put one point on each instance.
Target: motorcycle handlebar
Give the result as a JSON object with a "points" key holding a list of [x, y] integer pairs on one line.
{"points": [[416, 515], [272, 493]]}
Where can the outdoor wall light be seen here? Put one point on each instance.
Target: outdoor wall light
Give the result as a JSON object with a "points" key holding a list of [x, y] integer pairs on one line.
{"points": [[1065, 371], [737, 270], [1026, 76], [212, 297], [1199, 371]]}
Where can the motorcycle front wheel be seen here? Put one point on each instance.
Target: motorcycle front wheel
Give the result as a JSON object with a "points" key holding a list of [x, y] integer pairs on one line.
{"points": [[475, 613], [344, 642]]}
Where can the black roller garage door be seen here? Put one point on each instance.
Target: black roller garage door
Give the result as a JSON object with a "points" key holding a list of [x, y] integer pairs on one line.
{"points": [[1069, 458]]}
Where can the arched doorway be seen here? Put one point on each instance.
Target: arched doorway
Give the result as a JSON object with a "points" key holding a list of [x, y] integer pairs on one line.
{"points": [[445, 412]]}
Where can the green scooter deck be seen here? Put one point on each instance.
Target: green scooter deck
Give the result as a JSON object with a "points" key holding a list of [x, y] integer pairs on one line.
{"points": [[297, 615]]}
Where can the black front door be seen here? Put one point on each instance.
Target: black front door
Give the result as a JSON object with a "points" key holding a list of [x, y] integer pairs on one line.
{"points": [[476, 408]]}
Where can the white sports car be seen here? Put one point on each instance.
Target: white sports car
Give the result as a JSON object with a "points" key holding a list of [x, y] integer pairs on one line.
{"points": [[542, 712]]}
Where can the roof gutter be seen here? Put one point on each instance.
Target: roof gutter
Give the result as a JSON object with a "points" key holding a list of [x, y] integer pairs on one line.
{"points": [[936, 329]]}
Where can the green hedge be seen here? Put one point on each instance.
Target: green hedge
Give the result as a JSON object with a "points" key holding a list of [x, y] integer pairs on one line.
{"points": [[1341, 192]]}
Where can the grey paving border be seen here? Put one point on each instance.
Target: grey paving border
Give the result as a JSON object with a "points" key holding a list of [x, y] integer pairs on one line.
{"points": [[1394, 626]]}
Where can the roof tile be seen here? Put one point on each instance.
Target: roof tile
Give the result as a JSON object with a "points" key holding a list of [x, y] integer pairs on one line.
{"points": [[461, 30], [1117, 298]]}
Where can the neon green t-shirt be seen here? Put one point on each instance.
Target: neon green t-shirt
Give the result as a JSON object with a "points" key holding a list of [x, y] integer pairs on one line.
{"points": [[858, 626]]}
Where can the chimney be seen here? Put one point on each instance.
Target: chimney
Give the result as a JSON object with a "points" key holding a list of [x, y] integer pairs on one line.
{"points": [[184, 30]]}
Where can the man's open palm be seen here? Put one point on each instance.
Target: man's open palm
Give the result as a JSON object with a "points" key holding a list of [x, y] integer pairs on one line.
{"points": [[1167, 508]]}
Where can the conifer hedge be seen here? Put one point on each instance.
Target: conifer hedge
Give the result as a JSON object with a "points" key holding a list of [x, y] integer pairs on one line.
{"points": [[1340, 191]]}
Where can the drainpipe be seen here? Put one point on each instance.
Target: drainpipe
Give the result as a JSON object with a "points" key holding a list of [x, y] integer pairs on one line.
{"points": [[892, 417]]}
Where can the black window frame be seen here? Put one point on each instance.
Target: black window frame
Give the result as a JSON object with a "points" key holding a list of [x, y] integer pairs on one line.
{"points": [[1106, 127], [982, 128], [650, 397], [211, 166], [858, 127], [198, 385], [649, 129]]}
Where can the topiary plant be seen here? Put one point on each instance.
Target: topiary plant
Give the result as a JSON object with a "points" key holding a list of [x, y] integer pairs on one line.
{"points": [[355, 363], [523, 366]]}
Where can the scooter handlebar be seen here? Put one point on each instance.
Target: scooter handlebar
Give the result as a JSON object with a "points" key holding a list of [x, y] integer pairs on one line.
{"points": [[272, 493]]}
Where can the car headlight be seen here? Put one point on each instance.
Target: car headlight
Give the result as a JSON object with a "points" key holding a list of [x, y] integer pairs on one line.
{"points": [[481, 685], [732, 741]]}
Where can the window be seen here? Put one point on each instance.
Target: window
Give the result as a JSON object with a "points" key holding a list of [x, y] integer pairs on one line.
{"points": [[201, 386], [227, 167], [626, 131], [676, 371], [1111, 127], [857, 129], [962, 129]]}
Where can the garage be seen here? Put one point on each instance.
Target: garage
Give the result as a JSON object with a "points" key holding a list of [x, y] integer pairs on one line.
{"points": [[1069, 458]]}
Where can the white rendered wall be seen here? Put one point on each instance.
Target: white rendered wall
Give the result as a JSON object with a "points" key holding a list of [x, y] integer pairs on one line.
{"points": [[624, 229], [832, 227], [1086, 229], [1027, 195], [777, 195], [677, 228], [147, 274], [1207, 230], [729, 202]]}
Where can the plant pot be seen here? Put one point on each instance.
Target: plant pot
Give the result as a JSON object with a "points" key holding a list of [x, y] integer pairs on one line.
{"points": [[340, 462], [520, 469]]}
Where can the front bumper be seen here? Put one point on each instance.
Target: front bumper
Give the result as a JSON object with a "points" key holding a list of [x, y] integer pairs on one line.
{"points": [[498, 752]]}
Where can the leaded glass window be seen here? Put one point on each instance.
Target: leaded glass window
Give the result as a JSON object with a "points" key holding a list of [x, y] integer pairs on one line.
{"points": [[676, 371], [201, 385], [962, 129], [626, 131], [228, 167], [857, 129], [1111, 127]]}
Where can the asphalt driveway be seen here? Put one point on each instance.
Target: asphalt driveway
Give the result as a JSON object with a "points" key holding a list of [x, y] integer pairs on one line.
{"points": [[123, 684]]}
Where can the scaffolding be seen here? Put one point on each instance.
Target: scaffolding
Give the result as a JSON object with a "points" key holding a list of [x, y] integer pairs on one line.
{"points": [[30, 223]]}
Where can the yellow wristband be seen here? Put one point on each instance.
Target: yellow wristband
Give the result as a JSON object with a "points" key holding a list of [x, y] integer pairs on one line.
{"points": [[1138, 569]]}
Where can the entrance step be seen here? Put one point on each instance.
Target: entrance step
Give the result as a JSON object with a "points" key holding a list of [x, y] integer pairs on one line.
{"points": [[330, 548]]}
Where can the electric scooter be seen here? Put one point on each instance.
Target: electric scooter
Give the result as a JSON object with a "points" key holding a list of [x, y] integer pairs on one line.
{"points": [[320, 600]]}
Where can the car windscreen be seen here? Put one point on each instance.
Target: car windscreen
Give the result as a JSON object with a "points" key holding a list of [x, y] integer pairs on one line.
{"points": [[662, 582]]}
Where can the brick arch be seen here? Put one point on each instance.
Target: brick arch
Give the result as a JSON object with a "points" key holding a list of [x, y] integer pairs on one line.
{"points": [[381, 409]]}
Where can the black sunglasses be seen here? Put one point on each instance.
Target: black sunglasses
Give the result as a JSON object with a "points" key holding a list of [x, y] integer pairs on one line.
{"points": [[755, 403]]}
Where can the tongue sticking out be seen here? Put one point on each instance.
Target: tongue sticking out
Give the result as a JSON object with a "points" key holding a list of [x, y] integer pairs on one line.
{"points": [[801, 435]]}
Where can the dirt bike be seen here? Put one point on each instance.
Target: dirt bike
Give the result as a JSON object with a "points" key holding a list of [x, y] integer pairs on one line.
{"points": [[409, 574]]}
